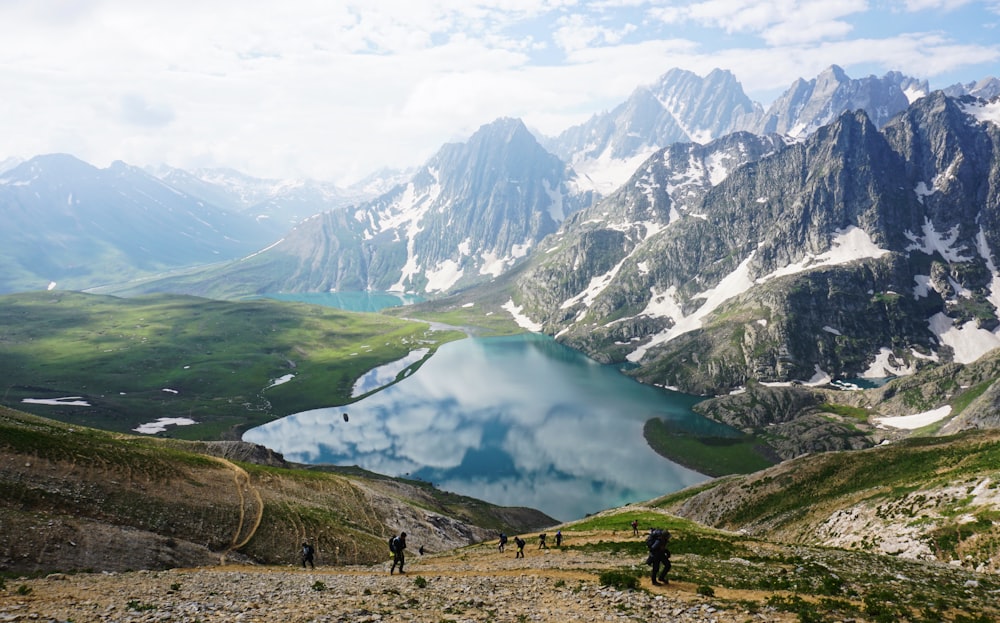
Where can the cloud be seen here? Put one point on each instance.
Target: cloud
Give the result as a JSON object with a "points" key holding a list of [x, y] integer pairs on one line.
{"points": [[337, 90], [134, 109], [777, 23]]}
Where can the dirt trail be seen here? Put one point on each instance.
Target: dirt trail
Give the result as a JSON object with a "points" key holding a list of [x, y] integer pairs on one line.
{"points": [[241, 480]]}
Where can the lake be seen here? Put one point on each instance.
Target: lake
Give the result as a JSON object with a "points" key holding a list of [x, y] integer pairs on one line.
{"points": [[517, 421]]}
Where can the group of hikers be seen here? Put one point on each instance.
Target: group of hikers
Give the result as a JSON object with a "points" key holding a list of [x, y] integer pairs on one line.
{"points": [[657, 542], [520, 543]]}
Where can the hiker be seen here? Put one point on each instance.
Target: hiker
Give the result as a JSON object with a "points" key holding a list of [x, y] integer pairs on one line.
{"points": [[308, 551], [635, 527], [541, 541], [421, 550], [503, 542], [558, 538], [396, 545], [659, 555], [520, 547]]}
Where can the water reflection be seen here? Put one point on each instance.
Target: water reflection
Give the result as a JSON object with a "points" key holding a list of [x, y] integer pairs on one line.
{"points": [[519, 421]]}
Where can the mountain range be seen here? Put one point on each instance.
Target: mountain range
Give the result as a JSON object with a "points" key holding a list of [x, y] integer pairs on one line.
{"points": [[845, 231]]}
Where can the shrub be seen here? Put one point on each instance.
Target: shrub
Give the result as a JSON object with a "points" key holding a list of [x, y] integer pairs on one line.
{"points": [[318, 586], [621, 580], [706, 590], [420, 581]]}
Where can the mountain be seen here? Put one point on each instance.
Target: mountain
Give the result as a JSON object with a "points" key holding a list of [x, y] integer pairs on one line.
{"points": [[683, 107], [808, 105], [986, 89], [68, 224], [276, 204], [470, 213], [680, 107], [855, 252]]}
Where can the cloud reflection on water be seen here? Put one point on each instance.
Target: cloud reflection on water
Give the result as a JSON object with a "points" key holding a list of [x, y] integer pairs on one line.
{"points": [[519, 421]]}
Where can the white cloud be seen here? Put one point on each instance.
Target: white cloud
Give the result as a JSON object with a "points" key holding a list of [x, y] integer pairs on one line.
{"points": [[336, 90]]}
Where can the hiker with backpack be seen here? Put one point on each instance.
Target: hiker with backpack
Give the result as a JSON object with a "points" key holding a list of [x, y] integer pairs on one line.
{"points": [[520, 547], [396, 545], [503, 542], [308, 551], [659, 555]]}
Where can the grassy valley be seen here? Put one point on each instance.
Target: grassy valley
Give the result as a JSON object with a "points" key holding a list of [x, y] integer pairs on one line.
{"points": [[128, 362]]}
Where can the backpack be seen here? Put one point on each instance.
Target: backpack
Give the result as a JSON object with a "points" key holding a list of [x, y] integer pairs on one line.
{"points": [[393, 544]]}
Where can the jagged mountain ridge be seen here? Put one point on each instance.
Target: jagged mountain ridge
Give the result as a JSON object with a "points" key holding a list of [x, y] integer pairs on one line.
{"points": [[68, 222], [850, 250], [684, 107], [472, 212]]}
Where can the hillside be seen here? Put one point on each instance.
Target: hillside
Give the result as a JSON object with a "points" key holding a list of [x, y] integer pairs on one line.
{"points": [[75, 498], [597, 574]]}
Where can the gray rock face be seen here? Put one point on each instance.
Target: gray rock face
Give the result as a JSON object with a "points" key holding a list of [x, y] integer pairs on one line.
{"points": [[808, 261]]}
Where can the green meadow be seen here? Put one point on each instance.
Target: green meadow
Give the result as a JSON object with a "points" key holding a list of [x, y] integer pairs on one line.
{"points": [[136, 360]]}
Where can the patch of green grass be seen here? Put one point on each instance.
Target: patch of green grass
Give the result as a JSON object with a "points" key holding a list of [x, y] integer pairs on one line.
{"points": [[712, 456], [620, 579], [846, 411]]}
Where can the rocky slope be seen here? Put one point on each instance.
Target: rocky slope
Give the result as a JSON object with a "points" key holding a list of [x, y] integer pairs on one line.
{"points": [[808, 262]]}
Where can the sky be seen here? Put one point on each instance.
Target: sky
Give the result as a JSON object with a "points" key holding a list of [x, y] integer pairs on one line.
{"points": [[337, 89]]}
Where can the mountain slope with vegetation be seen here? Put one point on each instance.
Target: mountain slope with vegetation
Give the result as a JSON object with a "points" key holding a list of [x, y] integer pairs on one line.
{"points": [[76, 498]]}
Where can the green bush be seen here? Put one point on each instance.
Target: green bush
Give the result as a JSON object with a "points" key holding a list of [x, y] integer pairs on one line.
{"points": [[621, 580], [420, 581]]}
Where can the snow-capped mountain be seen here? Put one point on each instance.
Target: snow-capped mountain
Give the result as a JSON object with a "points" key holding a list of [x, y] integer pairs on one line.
{"points": [[809, 105], [69, 224], [986, 89], [684, 107], [854, 252], [680, 107], [471, 213]]}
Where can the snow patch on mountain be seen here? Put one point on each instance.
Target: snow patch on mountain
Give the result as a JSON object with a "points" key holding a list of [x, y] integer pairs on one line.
{"points": [[606, 173], [522, 320], [933, 242], [986, 112], [886, 364], [850, 244], [968, 341], [733, 284]]}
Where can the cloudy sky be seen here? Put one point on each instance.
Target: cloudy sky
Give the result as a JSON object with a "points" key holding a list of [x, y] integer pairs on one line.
{"points": [[334, 89]]}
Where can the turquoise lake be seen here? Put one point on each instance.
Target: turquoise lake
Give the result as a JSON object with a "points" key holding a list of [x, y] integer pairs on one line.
{"points": [[516, 421]]}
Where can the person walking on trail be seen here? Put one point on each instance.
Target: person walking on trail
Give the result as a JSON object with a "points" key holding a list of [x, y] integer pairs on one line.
{"points": [[659, 555], [503, 542], [558, 538], [520, 547], [396, 545], [541, 541], [635, 527], [308, 551]]}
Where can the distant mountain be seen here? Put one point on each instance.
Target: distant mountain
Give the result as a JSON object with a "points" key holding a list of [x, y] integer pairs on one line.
{"points": [[986, 89], [854, 252], [471, 213], [276, 204], [680, 107], [809, 105], [683, 107], [68, 224]]}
